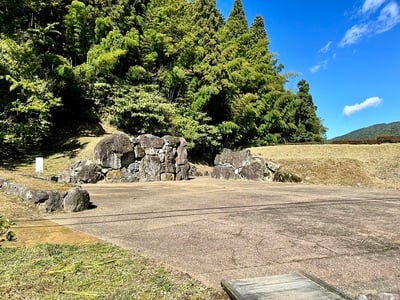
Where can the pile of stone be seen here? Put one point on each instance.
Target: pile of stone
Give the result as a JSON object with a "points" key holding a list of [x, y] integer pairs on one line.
{"points": [[121, 158], [73, 200], [243, 165]]}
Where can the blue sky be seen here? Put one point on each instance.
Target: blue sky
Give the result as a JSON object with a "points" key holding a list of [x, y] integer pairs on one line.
{"points": [[348, 51]]}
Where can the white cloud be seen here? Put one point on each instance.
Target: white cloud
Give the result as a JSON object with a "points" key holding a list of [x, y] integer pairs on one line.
{"points": [[371, 6], [378, 18], [315, 69], [388, 18], [370, 102], [326, 48], [354, 35], [322, 65]]}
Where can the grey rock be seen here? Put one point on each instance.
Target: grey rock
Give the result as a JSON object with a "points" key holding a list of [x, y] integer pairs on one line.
{"points": [[235, 158], [243, 165], [389, 296], [273, 166], [170, 154], [49, 201], [224, 172], [76, 199], [181, 153], [153, 156], [151, 151], [254, 169], [35, 196], [134, 167], [172, 141], [168, 167], [182, 172], [115, 151], [380, 296], [150, 169], [139, 152], [193, 171], [52, 203], [84, 171], [150, 141], [127, 176]]}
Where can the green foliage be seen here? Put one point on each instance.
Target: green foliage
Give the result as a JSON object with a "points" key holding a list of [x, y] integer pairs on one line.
{"points": [[26, 101], [140, 110], [150, 66], [236, 24], [77, 32], [95, 271], [204, 140], [5, 225]]}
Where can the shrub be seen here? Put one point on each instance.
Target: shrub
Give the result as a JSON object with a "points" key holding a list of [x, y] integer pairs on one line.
{"points": [[5, 232], [388, 139]]}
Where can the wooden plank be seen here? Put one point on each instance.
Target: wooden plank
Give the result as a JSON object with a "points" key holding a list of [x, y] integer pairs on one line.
{"points": [[289, 286]]}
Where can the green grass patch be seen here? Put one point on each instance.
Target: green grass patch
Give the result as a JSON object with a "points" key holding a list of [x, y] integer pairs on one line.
{"points": [[97, 271]]}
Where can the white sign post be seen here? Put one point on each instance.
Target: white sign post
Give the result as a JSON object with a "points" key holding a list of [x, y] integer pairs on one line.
{"points": [[39, 165]]}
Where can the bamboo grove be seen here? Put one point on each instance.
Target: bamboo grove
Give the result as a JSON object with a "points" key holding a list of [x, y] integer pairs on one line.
{"points": [[146, 66]]}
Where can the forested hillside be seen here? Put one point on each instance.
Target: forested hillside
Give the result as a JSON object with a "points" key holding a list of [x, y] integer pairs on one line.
{"points": [[146, 66], [371, 132]]}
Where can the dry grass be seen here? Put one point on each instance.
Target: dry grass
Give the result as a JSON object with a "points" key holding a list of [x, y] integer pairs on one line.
{"points": [[96, 271], [75, 149], [361, 165], [27, 180]]}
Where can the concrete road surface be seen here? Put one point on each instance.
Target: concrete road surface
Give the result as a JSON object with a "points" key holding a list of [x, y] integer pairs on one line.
{"points": [[215, 229]]}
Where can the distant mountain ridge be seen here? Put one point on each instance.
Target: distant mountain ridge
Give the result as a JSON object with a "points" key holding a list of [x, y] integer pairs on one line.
{"points": [[372, 132]]}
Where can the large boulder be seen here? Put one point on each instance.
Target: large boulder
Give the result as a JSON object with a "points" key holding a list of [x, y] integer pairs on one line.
{"points": [[239, 164], [52, 203], [115, 152], [34, 196], [76, 199], [83, 171], [150, 169], [255, 169], [148, 141], [237, 159], [224, 172], [243, 165]]}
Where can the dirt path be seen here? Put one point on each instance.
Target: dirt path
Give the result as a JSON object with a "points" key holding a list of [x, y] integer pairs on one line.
{"points": [[218, 230], [33, 232], [32, 229]]}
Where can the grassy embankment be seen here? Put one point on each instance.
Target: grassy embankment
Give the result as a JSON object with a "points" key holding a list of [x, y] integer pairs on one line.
{"points": [[352, 165]]}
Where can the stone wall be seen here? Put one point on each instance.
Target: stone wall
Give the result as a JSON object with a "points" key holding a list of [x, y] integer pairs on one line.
{"points": [[243, 165], [120, 157], [73, 200]]}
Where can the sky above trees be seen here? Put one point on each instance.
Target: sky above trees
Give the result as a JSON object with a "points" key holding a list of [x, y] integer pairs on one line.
{"points": [[348, 51]]}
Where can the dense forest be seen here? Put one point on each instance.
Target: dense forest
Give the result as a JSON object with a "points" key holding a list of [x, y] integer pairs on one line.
{"points": [[146, 66]]}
